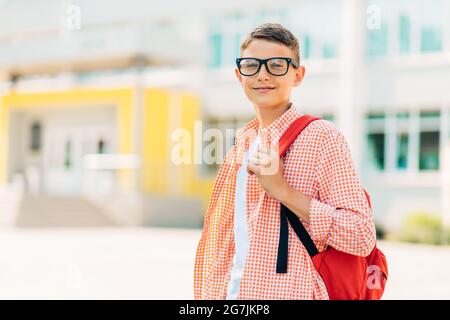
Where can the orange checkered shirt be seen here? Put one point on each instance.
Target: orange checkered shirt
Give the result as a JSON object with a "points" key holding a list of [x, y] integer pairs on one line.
{"points": [[318, 164]]}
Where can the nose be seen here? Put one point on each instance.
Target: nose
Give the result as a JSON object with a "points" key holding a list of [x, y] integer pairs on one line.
{"points": [[263, 74]]}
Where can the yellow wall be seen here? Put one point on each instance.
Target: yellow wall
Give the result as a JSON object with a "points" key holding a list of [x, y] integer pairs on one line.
{"points": [[156, 145], [191, 182], [3, 141], [155, 153]]}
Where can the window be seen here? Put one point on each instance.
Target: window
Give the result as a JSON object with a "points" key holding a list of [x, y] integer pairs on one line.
{"points": [[402, 150], [376, 139], [402, 140], [429, 140], [430, 114], [316, 25], [431, 26], [215, 41], [101, 146], [376, 115], [376, 142], [411, 146], [225, 34], [68, 155], [306, 46], [404, 34], [36, 131], [430, 40], [377, 41], [429, 151], [328, 51]]}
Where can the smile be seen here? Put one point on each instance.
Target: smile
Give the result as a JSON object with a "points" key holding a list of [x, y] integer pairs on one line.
{"points": [[264, 89]]}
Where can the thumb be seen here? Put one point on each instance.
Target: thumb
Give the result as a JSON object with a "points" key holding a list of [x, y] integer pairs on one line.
{"points": [[249, 171]]}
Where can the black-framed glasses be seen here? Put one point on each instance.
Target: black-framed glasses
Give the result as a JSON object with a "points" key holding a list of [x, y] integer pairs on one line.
{"points": [[277, 66]]}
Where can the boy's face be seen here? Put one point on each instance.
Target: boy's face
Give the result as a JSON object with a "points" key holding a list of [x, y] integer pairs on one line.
{"points": [[263, 89]]}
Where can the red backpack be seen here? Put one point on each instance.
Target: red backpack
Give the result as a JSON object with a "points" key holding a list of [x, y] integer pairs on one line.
{"points": [[346, 276]]}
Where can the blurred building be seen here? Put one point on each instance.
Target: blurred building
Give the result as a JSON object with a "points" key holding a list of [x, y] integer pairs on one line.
{"points": [[86, 78]]}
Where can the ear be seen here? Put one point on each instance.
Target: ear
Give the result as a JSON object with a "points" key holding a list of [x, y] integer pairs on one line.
{"points": [[238, 75], [299, 75]]}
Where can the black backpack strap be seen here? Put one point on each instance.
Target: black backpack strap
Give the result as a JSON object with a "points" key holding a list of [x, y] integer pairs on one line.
{"points": [[283, 243], [301, 232], [287, 215]]}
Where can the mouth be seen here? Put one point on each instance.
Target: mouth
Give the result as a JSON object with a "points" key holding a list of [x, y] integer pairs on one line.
{"points": [[264, 89]]}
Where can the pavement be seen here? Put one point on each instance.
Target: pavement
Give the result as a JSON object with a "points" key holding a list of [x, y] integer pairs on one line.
{"points": [[156, 263]]}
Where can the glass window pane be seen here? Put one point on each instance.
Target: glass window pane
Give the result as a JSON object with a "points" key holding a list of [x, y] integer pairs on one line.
{"points": [[430, 40], [306, 47], [404, 34], [316, 24], [377, 41], [36, 137], [431, 26], [376, 143], [402, 115], [375, 115], [215, 41], [328, 51], [68, 155], [402, 150], [101, 146], [430, 114], [430, 121], [429, 151]]}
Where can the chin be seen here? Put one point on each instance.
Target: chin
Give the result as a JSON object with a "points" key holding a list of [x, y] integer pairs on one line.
{"points": [[265, 103]]}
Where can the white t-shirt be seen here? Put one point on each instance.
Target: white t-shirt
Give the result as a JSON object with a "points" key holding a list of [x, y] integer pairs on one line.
{"points": [[240, 226]]}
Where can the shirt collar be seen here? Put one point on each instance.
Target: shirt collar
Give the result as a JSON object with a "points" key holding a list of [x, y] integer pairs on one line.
{"points": [[270, 134]]}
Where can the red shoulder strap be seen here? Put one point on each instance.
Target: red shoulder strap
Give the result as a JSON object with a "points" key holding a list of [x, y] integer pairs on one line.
{"points": [[292, 133]]}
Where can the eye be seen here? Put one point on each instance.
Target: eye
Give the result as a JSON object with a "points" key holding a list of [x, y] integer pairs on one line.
{"points": [[249, 63], [278, 63]]}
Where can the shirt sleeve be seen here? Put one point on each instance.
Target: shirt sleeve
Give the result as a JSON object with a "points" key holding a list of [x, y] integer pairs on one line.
{"points": [[341, 216]]}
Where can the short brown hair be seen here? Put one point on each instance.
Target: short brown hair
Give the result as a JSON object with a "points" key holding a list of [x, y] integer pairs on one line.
{"points": [[274, 32]]}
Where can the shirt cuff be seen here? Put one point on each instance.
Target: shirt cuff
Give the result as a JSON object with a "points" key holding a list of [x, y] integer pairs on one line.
{"points": [[320, 219]]}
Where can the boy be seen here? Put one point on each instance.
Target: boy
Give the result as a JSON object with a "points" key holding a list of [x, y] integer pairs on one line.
{"points": [[237, 253]]}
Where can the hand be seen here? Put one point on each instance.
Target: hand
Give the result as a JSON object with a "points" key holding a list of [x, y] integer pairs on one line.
{"points": [[268, 167]]}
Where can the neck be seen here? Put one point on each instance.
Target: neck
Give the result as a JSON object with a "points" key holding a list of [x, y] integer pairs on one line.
{"points": [[266, 116]]}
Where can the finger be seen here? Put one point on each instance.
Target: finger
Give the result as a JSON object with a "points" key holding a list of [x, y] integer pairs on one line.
{"points": [[259, 159], [253, 160], [253, 168], [256, 154], [263, 154], [264, 161], [263, 148]]}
